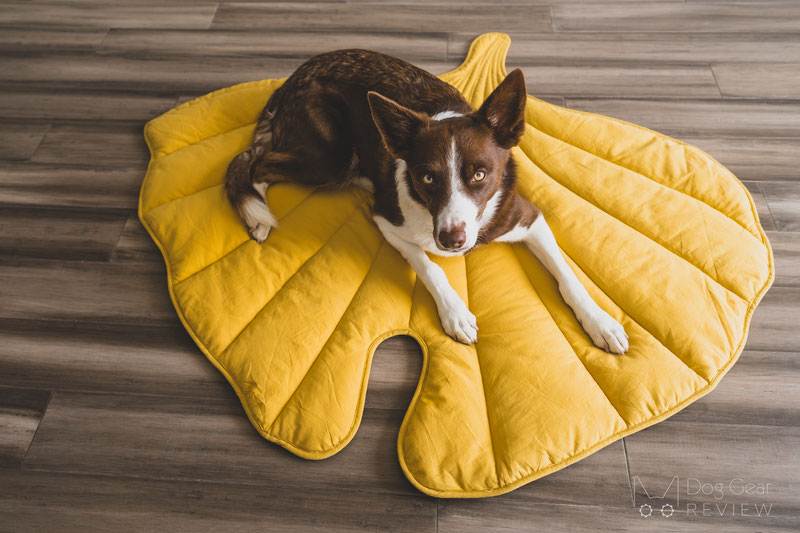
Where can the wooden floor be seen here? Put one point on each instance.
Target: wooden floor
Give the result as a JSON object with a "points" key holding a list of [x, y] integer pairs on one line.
{"points": [[111, 419]]}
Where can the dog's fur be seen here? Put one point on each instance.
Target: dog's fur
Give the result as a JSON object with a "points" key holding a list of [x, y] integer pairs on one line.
{"points": [[441, 173]]}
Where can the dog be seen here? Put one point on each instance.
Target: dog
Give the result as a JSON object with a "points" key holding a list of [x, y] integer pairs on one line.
{"points": [[441, 172]]}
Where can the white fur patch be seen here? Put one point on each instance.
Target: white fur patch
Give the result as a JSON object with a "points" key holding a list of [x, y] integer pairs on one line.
{"points": [[261, 188], [459, 209], [446, 114], [258, 217], [605, 332]]}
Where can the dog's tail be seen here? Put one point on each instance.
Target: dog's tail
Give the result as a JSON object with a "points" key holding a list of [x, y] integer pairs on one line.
{"points": [[249, 202]]}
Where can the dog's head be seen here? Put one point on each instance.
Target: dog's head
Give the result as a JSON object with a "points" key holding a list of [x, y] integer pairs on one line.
{"points": [[456, 165]]}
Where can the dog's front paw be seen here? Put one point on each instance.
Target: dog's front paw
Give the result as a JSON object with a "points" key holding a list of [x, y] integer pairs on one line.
{"points": [[260, 233], [457, 320], [605, 332]]}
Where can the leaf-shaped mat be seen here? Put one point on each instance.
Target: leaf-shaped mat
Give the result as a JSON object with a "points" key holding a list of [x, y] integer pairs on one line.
{"points": [[665, 239]]}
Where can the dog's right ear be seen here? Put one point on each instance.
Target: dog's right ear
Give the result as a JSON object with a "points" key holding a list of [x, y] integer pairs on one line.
{"points": [[397, 124]]}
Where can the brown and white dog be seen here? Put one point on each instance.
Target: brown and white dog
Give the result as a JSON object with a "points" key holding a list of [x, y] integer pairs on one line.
{"points": [[441, 172]]}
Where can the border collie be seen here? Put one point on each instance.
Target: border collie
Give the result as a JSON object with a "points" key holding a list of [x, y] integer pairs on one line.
{"points": [[440, 171]]}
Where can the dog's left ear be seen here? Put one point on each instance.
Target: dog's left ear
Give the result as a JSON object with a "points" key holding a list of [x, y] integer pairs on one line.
{"points": [[397, 124], [504, 110]]}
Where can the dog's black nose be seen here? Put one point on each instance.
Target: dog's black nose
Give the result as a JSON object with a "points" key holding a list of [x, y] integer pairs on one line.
{"points": [[453, 239]]}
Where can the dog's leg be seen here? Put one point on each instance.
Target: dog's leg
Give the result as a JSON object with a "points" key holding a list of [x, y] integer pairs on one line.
{"points": [[457, 320], [605, 332]]}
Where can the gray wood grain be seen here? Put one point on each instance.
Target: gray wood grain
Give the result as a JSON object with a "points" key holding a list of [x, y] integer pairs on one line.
{"points": [[259, 43], [56, 103], [757, 157], [784, 203], [209, 439], [746, 396], [59, 233], [377, 16], [94, 144], [692, 118], [640, 48], [122, 15], [57, 185], [762, 207], [20, 413], [44, 501], [760, 80], [19, 140], [711, 454], [102, 292], [135, 244], [122, 73], [786, 249], [131, 359], [774, 324], [624, 81], [27, 39], [677, 17]]}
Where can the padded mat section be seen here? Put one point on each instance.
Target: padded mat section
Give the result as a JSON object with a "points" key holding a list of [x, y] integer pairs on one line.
{"points": [[665, 239]]}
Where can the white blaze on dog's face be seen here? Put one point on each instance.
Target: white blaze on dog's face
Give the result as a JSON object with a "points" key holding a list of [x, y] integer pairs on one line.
{"points": [[456, 163]]}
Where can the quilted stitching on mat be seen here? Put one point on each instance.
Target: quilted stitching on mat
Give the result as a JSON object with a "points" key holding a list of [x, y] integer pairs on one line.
{"points": [[664, 238]]}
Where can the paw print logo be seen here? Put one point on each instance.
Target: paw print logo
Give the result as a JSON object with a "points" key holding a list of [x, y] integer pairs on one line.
{"points": [[645, 510]]}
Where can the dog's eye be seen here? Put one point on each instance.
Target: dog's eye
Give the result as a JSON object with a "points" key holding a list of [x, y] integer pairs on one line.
{"points": [[479, 175], [427, 178]]}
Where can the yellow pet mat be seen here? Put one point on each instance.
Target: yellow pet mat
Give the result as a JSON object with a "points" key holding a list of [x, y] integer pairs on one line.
{"points": [[664, 238]]}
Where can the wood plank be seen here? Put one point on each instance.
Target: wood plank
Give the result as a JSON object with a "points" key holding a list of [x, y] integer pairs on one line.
{"points": [[497, 514], [43, 501], [755, 158], [577, 484], [395, 372], [740, 397], [20, 413], [122, 293], [759, 80], [138, 359], [59, 233], [81, 105], [774, 324], [725, 457], [121, 358], [677, 17], [123, 15], [160, 437], [568, 491], [25, 39], [18, 140], [377, 16], [786, 249], [784, 203], [59, 186], [135, 244], [647, 48], [198, 74], [258, 44], [693, 118], [98, 144], [621, 81], [762, 208], [201, 74]]}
